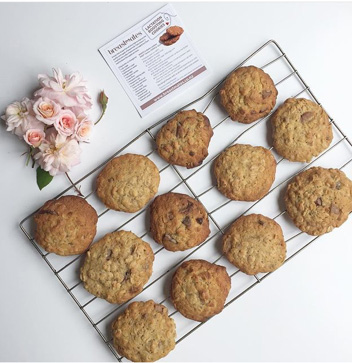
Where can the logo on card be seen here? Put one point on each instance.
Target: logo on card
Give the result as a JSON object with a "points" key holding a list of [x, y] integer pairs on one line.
{"points": [[157, 25]]}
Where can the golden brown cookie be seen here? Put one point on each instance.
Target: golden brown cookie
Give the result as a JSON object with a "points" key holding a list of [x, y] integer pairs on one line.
{"points": [[128, 182], [254, 244], [184, 140], [245, 172], [319, 200], [144, 332], [248, 94], [117, 267], [66, 226], [178, 222], [301, 130], [199, 289]]}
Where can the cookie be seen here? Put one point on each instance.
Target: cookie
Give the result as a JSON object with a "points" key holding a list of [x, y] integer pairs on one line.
{"points": [[245, 172], [174, 30], [66, 226], [172, 35], [178, 222], [128, 182], [184, 140], [248, 94], [319, 200], [254, 244], [300, 129], [117, 267], [199, 289], [144, 332]]}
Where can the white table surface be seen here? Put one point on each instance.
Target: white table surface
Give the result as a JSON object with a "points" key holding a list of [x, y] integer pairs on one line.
{"points": [[300, 313]]}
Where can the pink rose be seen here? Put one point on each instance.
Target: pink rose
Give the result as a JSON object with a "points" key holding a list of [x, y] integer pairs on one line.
{"points": [[68, 91], [84, 128], [57, 154], [34, 137], [46, 110], [66, 122]]}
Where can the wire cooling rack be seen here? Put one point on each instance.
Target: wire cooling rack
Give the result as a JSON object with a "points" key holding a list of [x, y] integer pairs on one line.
{"points": [[198, 183]]}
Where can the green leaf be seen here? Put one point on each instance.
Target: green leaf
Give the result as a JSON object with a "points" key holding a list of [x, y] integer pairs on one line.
{"points": [[43, 178]]}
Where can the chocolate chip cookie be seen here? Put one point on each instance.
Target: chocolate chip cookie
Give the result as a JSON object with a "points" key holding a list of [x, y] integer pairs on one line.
{"points": [[248, 94], [128, 182], [300, 129], [319, 200], [184, 140], [66, 226], [117, 267], [144, 332], [245, 172], [178, 222], [254, 244], [199, 289]]}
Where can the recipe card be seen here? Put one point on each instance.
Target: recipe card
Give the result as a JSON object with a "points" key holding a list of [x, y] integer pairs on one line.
{"points": [[154, 60]]}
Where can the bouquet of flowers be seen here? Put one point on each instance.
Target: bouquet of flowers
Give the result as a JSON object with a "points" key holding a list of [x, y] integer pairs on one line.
{"points": [[54, 123]]}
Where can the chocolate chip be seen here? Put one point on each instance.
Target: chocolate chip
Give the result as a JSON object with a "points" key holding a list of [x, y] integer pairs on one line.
{"points": [[306, 116], [170, 216], [192, 153], [266, 94], [110, 180], [261, 222], [199, 220], [318, 202], [186, 221], [334, 209], [186, 209], [133, 289], [168, 238], [127, 275], [263, 110], [159, 308], [338, 185]]}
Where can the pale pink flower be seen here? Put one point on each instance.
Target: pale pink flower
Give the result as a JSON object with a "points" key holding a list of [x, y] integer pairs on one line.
{"points": [[84, 128], [68, 90], [57, 154], [34, 137], [46, 110], [65, 123], [19, 117]]}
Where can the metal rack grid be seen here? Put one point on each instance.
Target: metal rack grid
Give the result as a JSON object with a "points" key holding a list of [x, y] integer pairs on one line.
{"points": [[270, 57]]}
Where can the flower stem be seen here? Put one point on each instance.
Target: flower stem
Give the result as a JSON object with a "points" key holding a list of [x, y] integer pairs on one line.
{"points": [[101, 116], [29, 155], [75, 187]]}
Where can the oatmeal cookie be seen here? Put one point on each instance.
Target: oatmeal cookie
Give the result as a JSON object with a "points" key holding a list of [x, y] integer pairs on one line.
{"points": [[184, 140], [248, 94], [319, 200], [178, 222], [117, 267], [144, 332], [254, 244], [66, 226], [245, 172], [128, 182], [301, 130], [199, 289]]}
